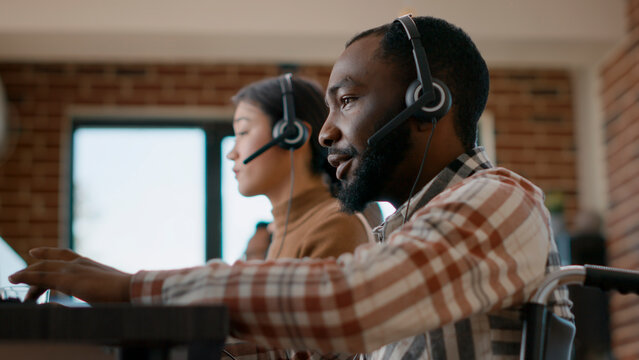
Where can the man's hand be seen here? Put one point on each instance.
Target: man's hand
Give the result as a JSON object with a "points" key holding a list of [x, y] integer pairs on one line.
{"points": [[67, 272]]}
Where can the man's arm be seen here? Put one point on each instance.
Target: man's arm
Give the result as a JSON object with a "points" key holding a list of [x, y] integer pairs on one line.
{"points": [[477, 247]]}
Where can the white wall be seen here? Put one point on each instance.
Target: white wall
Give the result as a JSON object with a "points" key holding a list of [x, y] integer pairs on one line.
{"points": [[515, 32]]}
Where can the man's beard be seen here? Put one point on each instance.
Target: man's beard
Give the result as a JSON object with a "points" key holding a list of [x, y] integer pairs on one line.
{"points": [[377, 163]]}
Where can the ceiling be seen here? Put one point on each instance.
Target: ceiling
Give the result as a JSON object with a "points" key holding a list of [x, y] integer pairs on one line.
{"points": [[569, 33]]}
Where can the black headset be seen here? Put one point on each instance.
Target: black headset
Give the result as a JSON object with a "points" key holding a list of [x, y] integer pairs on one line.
{"points": [[289, 132], [427, 98]]}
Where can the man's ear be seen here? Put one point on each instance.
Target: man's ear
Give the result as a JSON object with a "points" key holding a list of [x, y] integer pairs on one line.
{"points": [[425, 125], [422, 125]]}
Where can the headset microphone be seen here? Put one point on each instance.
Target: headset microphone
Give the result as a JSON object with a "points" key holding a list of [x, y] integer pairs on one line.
{"points": [[291, 132], [288, 132], [427, 98]]}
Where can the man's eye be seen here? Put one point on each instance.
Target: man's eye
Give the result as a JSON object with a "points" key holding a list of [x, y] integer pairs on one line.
{"points": [[241, 133], [347, 100]]}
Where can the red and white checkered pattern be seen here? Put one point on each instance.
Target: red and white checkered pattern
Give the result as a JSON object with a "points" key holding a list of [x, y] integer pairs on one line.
{"points": [[476, 245]]}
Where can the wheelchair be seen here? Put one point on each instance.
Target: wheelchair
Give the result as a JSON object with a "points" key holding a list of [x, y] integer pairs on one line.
{"points": [[545, 335]]}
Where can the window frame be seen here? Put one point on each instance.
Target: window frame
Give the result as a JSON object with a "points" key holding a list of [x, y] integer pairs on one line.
{"points": [[214, 132]]}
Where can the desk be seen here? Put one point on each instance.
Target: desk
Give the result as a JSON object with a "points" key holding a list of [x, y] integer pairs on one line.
{"points": [[139, 332]]}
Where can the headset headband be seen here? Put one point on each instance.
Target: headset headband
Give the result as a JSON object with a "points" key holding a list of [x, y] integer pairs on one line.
{"points": [[288, 105], [419, 54]]}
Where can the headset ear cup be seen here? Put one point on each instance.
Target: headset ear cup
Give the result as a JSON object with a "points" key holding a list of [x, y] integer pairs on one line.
{"points": [[301, 135], [438, 108], [443, 92], [412, 94]]}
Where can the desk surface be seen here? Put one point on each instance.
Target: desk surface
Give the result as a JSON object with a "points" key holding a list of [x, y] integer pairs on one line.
{"points": [[114, 324]]}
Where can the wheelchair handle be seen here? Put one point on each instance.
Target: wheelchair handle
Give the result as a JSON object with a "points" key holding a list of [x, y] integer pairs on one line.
{"points": [[602, 277], [565, 275], [606, 278]]}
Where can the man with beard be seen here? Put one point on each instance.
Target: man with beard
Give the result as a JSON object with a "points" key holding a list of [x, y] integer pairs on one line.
{"points": [[468, 245]]}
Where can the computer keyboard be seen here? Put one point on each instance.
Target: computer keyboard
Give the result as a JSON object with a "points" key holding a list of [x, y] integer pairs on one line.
{"points": [[10, 300]]}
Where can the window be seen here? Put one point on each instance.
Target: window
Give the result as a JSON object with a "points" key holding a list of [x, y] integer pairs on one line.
{"points": [[146, 196], [240, 214], [486, 135]]}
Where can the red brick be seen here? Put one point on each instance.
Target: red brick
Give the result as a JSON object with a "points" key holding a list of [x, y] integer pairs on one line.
{"points": [[174, 70]]}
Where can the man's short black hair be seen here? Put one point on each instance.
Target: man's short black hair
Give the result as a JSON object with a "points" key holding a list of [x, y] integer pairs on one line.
{"points": [[452, 57]]}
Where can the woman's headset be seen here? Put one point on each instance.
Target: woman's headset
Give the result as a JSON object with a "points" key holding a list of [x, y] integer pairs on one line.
{"points": [[289, 132]]}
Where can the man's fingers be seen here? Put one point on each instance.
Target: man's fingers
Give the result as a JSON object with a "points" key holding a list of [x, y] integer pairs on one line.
{"points": [[30, 276], [37, 272], [51, 253], [80, 277], [40, 280], [34, 293]]}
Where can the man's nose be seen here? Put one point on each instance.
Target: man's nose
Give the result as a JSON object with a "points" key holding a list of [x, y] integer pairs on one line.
{"points": [[329, 134]]}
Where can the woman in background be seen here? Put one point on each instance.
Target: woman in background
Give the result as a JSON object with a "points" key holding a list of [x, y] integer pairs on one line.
{"points": [[314, 226], [307, 221]]}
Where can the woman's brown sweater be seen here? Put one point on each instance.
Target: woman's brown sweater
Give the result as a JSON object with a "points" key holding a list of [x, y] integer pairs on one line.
{"points": [[316, 228]]}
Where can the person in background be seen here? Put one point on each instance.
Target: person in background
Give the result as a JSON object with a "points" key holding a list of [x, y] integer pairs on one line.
{"points": [[307, 221]]}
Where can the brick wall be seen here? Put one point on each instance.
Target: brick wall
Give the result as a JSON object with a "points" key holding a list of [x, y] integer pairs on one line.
{"points": [[532, 111], [39, 95], [535, 130], [620, 96]]}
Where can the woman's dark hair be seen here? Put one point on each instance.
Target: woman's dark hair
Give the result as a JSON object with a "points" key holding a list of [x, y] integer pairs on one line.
{"points": [[453, 58], [309, 107]]}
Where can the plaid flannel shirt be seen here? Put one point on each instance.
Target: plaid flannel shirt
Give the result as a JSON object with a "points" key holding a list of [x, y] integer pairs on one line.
{"points": [[446, 284]]}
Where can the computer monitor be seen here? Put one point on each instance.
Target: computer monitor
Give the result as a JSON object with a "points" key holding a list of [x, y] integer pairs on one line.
{"points": [[10, 262]]}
